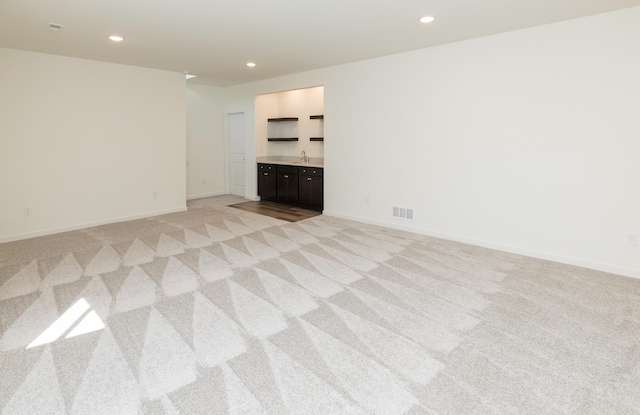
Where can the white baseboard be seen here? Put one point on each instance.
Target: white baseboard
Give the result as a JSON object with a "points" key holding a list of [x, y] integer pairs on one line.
{"points": [[627, 272], [87, 225], [203, 195]]}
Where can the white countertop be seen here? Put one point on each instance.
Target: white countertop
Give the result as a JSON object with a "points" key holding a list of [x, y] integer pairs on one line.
{"points": [[292, 161]]}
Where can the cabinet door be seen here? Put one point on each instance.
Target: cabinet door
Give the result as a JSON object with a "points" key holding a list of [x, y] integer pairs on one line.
{"points": [[267, 185], [267, 181], [310, 191], [287, 187]]}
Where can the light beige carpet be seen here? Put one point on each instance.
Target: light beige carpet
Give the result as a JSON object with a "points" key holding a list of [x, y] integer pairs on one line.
{"points": [[220, 311]]}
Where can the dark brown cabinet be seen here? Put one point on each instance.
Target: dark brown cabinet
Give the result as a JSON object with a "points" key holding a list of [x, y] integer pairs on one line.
{"points": [[287, 188], [300, 186], [310, 190], [267, 181]]}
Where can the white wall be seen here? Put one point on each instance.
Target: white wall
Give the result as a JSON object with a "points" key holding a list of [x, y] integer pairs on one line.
{"points": [[300, 103], [266, 106], [525, 141], [85, 142], [205, 141]]}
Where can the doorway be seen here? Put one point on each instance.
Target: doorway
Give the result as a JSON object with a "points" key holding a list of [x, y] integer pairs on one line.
{"points": [[236, 154]]}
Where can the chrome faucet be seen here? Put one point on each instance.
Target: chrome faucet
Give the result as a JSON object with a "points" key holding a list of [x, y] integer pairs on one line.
{"points": [[305, 159]]}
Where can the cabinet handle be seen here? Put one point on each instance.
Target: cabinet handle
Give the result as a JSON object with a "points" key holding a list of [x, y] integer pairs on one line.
{"points": [[286, 177], [266, 174], [309, 178]]}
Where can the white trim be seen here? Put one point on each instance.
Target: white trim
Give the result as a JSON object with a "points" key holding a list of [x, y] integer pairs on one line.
{"points": [[252, 198], [203, 195], [627, 272], [87, 225], [227, 149]]}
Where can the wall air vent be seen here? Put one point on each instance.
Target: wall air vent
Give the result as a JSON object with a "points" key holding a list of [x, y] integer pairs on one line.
{"points": [[403, 213], [54, 27]]}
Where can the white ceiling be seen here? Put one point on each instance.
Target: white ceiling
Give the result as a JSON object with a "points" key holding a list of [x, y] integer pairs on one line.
{"points": [[215, 38]]}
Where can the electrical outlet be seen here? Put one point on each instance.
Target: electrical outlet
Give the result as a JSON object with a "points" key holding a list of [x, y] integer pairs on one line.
{"points": [[366, 200], [204, 181], [154, 195], [632, 238], [27, 210]]}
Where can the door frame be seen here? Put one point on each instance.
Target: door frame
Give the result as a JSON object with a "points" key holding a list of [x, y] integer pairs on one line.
{"points": [[227, 150]]}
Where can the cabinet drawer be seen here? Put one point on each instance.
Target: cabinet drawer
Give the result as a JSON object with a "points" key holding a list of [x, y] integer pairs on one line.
{"points": [[311, 171], [287, 169], [266, 167]]}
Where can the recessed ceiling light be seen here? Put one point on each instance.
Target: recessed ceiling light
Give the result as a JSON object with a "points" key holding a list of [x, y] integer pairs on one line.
{"points": [[189, 76], [251, 64], [427, 19], [116, 38]]}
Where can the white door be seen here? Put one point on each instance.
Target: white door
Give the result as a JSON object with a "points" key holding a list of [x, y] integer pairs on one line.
{"points": [[236, 145]]}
